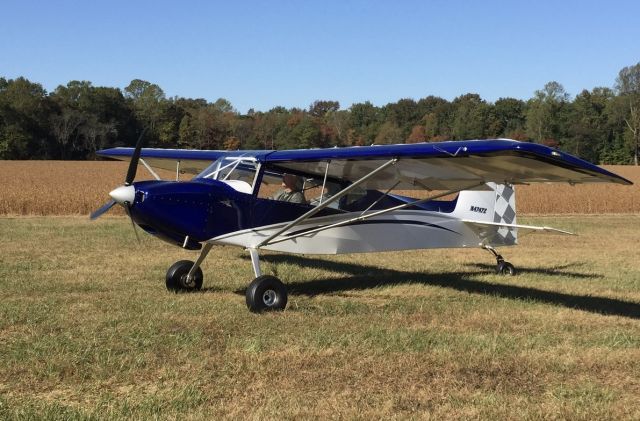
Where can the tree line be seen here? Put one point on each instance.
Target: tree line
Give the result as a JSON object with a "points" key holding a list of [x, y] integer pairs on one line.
{"points": [[74, 121]]}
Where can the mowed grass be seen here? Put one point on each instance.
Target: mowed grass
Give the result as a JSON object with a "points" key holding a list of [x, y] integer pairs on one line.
{"points": [[87, 329]]}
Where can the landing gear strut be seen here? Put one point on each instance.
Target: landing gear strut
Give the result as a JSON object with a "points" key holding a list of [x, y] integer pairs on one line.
{"points": [[502, 267], [178, 279], [185, 275], [265, 292]]}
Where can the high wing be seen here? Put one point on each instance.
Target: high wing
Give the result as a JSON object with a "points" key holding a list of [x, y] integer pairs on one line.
{"points": [[451, 165], [186, 161], [445, 165]]}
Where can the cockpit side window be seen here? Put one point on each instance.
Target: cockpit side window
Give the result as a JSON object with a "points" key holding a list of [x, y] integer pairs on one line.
{"points": [[320, 194], [277, 184]]}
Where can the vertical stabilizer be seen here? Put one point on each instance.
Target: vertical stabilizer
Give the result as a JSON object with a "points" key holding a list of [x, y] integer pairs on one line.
{"points": [[497, 205]]}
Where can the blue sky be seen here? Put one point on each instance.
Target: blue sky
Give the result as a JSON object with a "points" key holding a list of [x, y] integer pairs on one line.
{"points": [[265, 53]]}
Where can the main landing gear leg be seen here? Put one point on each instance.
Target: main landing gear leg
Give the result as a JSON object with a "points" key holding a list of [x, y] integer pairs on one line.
{"points": [[502, 267], [265, 292], [185, 275]]}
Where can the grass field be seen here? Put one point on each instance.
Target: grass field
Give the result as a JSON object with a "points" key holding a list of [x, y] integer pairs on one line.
{"points": [[87, 329], [77, 188]]}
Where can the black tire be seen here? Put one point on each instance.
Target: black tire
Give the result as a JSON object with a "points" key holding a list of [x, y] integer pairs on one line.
{"points": [[506, 268], [266, 293], [177, 275]]}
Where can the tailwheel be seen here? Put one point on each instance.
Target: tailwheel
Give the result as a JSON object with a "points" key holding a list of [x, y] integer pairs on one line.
{"points": [[266, 293], [502, 266], [177, 279], [505, 268]]}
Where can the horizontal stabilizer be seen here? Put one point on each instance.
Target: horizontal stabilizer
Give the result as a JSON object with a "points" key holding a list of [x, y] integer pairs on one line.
{"points": [[484, 224]]}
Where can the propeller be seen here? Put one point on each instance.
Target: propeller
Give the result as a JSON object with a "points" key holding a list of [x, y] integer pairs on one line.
{"points": [[125, 194], [98, 212], [133, 164]]}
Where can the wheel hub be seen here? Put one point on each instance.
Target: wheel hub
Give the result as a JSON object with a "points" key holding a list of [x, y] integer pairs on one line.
{"points": [[269, 297], [186, 281]]}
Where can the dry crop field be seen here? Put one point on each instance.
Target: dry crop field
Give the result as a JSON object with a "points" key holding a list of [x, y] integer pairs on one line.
{"points": [[77, 188], [88, 331]]}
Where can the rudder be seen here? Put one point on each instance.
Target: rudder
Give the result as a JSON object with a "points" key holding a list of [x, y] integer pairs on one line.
{"points": [[497, 204]]}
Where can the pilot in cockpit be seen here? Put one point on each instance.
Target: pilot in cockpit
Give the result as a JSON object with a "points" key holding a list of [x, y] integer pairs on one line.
{"points": [[291, 190], [330, 189]]}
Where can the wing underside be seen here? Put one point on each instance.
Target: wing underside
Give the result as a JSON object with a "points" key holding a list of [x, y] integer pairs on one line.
{"points": [[450, 173]]}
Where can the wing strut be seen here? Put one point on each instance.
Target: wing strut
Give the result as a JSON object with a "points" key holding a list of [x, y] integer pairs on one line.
{"points": [[370, 215], [153, 173], [324, 182], [332, 199]]}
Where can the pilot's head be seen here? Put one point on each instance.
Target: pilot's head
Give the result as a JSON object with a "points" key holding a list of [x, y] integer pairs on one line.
{"points": [[291, 182]]}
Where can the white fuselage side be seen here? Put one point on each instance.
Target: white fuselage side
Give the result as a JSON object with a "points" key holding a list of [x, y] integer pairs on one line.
{"points": [[401, 230]]}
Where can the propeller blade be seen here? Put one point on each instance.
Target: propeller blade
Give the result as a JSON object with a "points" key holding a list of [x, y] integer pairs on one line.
{"points": [[133, 164], [133, 224], [97, 213]]}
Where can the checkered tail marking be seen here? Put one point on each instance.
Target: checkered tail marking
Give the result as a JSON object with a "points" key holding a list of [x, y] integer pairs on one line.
{"points": [[505, 213]]}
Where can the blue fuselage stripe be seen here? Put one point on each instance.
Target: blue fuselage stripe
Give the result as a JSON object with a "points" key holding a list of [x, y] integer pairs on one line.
{"points": [[376, 222]]}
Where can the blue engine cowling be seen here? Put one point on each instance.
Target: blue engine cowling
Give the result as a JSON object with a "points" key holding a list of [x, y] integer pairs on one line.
{"points": [[200, 209]]}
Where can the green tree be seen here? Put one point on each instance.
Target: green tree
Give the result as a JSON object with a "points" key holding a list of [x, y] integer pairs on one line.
{"points": [[65, 127], [224, 106], [204, 128], [321, 108], [545, 113], [510, 116], [588, 124], [148, 102], [470, 117], [88, 118], [365, 120], [335, 126], [404, 114], [389, 133], [24, 119], [628, 87]]}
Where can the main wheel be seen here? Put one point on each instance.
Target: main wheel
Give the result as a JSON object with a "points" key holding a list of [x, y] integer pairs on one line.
{"points": [[177, 277], [506, 268], [266, 293]]}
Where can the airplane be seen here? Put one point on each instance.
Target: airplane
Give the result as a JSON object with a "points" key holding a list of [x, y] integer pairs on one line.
{"points": [[349, 201]]}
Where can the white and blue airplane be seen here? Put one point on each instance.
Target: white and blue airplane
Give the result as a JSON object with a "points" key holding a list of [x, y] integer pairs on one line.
{"points": [[346, 201]]}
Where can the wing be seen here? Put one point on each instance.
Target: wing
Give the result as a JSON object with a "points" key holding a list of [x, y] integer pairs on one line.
{"points": [[444, 165], [192, 161], [422, 166]]}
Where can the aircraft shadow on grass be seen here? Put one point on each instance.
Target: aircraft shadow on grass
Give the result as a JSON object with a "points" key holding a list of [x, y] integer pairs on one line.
{"points": [[366, 277]]}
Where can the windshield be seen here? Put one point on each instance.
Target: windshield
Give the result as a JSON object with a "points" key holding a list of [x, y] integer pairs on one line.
{"points": [[239, 172]]}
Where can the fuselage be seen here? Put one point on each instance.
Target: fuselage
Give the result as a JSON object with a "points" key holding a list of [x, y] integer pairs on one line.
{"points": [[187, 214]]}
